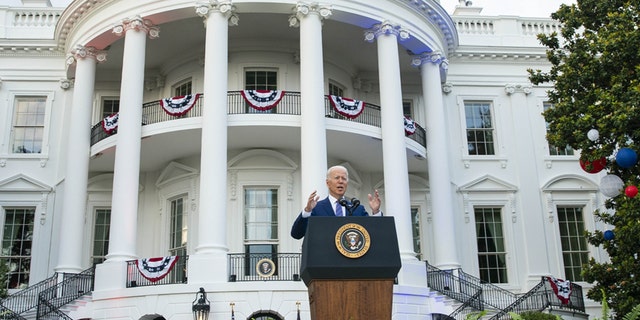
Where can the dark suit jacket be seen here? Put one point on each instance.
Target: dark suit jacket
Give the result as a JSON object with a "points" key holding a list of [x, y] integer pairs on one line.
{"points": [[322, 208]]}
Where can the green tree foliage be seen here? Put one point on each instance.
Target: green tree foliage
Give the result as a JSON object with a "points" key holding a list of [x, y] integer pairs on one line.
{"points": [[595, 71]]}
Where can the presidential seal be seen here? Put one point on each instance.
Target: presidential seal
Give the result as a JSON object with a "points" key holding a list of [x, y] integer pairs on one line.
{"points": [[265, 267], [352, 240]]}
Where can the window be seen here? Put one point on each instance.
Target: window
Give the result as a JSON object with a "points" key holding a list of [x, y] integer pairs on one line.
{"points": [[479, 128], [553, 150], [101, 235], [415, 223], [491, 249], [178, 239], [16, 245], [110, 106], [182, 89], [260, 80], [574, 244], [407, 108], [336, 89], [28, 124], [261, 226]]}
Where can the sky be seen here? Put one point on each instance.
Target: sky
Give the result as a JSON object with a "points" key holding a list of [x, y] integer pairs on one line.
{"points": [[530, 8]]}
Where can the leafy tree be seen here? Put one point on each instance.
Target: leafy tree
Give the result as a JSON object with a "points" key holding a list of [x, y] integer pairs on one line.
{"points": [[595, 71]]}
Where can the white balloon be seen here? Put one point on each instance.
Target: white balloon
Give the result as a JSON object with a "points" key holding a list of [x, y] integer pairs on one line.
{"points": [[593, 134], [611, 185]]}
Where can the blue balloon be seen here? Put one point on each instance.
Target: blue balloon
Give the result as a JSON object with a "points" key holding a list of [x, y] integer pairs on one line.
{"points": [[626, 157], [608, 235]]}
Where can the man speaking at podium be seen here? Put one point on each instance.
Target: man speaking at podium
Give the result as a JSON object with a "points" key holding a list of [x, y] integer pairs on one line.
{"points": [[335, 204]]}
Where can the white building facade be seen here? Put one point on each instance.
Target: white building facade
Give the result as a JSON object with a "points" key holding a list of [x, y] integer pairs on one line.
{"points": [[128, 133]]}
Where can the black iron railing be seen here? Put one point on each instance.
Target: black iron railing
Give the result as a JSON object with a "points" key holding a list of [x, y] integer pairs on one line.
{"points": [[477, 295], [27, 299], [178, 274], [290, 104], [72, 286], [264, 266]]}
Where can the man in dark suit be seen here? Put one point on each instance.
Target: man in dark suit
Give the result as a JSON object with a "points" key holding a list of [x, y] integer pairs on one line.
{"points": [[337, 181]]}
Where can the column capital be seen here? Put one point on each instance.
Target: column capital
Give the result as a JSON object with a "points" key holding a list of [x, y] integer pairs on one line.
{"points": [[386, 27], [80, 52], [303, 9], [139, 24], [511, 88], [434, 57], [225, 7]]}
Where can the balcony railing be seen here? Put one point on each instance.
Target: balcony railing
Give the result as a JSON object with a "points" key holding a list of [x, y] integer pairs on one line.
{"points": [[290, 104], [264, 267]]}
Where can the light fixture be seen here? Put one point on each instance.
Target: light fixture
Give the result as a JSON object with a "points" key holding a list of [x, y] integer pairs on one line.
{"points": [[201, 306]]}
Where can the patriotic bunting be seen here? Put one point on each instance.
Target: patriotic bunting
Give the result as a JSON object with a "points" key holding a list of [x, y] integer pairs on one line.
{"points": [[110, 123], [562, 289], [347, 107], [409, 126], [262, 99], [179, 105], [154, 269]]}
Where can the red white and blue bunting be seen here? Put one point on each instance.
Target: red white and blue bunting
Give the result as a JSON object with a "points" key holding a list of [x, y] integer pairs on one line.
{"points": [[154, 269], [409, 126], [262, 99], [179, 105], [110, 123], [347, 107], [562, 289]]}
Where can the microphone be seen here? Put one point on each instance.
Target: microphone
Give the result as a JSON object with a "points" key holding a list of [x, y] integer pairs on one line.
{"points": [[343, 202], [354, 203]]}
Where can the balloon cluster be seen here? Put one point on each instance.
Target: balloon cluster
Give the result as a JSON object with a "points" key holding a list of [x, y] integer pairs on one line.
{"points": [[611, 185]]}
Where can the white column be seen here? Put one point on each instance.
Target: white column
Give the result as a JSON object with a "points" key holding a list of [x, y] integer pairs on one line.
{"points": [[313, 131], [126, 180], [112, 274], [211, 249], [440, 187], [396, 172], [77, 165]]}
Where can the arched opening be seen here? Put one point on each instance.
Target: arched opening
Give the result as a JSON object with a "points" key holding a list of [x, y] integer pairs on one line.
{"points": [[265, 315]]}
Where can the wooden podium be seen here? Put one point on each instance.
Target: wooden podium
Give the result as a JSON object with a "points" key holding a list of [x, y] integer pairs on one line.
{"points": [[349, 266]]}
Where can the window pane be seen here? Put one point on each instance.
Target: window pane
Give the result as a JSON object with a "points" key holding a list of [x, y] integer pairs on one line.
{"points": [[16, 245], [261, 80], [179, 229], [28, 124], [110, 106], [101, 235], [479, 128], [490, 242], [574, 244], [261, 214], [415, 222], [553, 150]]}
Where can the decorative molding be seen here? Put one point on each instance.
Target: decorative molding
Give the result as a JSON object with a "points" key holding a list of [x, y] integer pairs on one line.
{"points": [[139, 24], [447, 87], [43, 209], [386, 27], [3, 163], [515, 88], [65, 84], [304, 9], [233, 184]]}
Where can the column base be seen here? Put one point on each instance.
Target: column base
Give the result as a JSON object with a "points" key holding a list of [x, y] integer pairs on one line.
{"points": [[413, 273], [111, 275], [208, 268]]}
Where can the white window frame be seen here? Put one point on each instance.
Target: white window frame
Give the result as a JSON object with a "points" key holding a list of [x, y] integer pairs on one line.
{"points": [[493, 101], [9, 124]]}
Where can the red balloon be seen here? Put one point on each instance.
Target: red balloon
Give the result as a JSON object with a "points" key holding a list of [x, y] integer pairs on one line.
{"points": [[594, 166], [631, 191]]}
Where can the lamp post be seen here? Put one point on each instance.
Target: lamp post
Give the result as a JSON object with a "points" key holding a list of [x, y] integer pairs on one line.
{"points": [[201, 306]]}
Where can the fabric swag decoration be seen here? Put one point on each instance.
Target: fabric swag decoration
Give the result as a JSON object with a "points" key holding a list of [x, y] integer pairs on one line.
{"points": [[409, 126], [562, 289], [110, 123], [154, 269], [347, 107], [179, 105], [262, 100]]}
